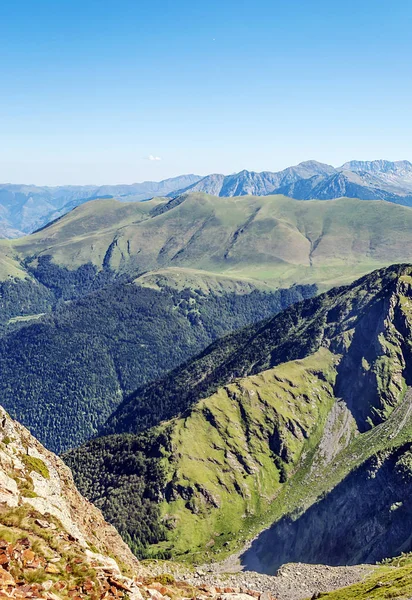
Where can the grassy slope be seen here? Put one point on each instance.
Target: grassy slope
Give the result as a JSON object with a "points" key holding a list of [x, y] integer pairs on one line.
{"points": [[195, 279], [223, 451], [84, 235], [236, 443], [295, 333], [273, 239], [392, 580], [224, 445]]}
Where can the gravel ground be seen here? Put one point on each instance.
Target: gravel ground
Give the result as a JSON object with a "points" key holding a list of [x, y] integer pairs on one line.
{"points": [[294, 581]]}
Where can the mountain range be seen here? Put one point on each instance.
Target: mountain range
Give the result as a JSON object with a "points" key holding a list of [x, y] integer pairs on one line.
{"points": [[270, 240], [367, 180], [25, 208], [208, 402], [114, 294]]}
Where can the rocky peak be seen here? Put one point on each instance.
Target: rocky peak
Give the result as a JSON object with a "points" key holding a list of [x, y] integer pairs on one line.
{"points": [[377, 166]]}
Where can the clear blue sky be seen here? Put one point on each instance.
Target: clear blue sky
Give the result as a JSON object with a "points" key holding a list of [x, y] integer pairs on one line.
{"points": [[91, 88]]}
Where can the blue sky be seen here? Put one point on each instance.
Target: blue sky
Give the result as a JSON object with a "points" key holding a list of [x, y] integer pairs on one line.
{"points": [[91, 89]]}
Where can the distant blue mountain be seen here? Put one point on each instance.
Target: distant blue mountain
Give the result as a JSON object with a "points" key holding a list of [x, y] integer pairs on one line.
{"points": [[25, 208]]}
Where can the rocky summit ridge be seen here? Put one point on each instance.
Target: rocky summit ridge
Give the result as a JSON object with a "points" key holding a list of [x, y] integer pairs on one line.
{"points": [[367, 180]]}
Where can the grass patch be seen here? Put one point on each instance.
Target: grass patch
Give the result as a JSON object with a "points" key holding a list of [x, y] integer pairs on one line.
{"points": [[234, 451], [37, 465], [386, 583]]}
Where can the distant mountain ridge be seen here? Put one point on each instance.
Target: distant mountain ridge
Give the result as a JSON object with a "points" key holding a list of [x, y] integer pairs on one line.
{"points": [[366, 180], [272, 239], [25, 208]]}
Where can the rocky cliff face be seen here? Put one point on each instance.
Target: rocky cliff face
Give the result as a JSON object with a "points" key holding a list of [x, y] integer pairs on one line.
{"points": [[53, 542], [32, 479]]}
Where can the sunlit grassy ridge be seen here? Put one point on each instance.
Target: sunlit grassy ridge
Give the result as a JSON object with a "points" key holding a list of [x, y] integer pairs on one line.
{"points": [[390, 581], [231, 454], [273, 239], [257, 445]]}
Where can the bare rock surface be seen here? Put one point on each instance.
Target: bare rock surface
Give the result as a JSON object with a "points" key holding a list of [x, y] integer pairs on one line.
{"points": [[294, 581], [32, 476]]}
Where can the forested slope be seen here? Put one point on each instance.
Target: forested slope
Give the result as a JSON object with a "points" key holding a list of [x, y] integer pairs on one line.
{"points": [[65, 372]]}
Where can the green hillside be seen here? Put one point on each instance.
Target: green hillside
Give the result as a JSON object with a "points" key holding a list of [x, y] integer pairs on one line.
{"points": [[272, 239], [293, 334], [289, 423], [391, 580]]}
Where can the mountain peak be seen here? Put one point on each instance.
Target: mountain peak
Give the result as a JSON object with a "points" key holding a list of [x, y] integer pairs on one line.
{"points": [[316, 165]]}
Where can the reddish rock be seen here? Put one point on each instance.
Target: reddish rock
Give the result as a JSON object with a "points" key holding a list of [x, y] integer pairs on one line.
{"points": [[59, 585], [118, 584], [160, 588], [154, 594]]}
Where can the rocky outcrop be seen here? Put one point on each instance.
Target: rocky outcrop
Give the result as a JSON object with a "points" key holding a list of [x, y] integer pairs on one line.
{"points": [[34, 479], [53, 542]]}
